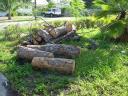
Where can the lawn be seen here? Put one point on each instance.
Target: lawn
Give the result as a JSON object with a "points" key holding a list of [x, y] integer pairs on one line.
{"points": [[100, 72]]}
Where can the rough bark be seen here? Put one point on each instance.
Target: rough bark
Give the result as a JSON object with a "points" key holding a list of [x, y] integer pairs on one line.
{"points": [[29, 53], [58, 49], [44, 35], [59, 31], [35, 42], [65, 66], [68, 36]]}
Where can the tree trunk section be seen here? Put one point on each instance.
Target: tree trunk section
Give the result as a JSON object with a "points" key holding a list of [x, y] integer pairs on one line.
{"points": [[68, 36], [44, 35], [9, 16], [29, 53], [58, 49], [59, 31], [65, 66]]}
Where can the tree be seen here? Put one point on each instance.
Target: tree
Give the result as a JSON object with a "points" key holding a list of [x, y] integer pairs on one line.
{"points": [[88, 2], [114, 7], [119, 7], [51, 4], [77, 6], [10, 6]]}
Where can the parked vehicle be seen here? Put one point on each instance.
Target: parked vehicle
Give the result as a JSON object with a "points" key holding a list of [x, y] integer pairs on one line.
{"points": [[2, 14], [53, 12]]}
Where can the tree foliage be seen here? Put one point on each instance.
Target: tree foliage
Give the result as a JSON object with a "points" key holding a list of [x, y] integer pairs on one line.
{"points": [[113, 7], [77, 6], [10, 6]]}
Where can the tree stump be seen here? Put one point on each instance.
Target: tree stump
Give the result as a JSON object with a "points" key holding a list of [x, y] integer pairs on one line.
{"points": [[65, 66]]}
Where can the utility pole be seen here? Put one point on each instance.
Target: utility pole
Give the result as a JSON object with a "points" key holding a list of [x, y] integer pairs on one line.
{"points": [[35, 13]]}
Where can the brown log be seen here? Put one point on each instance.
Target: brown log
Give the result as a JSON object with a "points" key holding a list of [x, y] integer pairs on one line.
{"points": [[58, 49], [35, 42], [68, 26], [58, 31], [65, 66], [45, 35], [39, 39], [29, 53]]}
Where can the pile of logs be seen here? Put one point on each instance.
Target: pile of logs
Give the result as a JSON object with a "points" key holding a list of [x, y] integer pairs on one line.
{"points": [[42, 50], [52, 35]]}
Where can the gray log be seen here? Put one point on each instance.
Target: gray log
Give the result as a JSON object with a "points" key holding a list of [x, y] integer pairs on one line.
{"points": [[65, 66], [58, 49], [29, 53], [68, 36]]}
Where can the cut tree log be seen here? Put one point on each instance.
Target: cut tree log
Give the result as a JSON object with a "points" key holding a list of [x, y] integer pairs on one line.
{"points": [[35, 42], [68, 36], [59, 31], [58, 49], [65, 66], [69, 26], [29, 53], [45, 35]]}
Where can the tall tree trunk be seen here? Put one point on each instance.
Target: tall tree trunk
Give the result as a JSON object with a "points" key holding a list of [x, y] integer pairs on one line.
{"points": [[9, 15], [122, 15], [35, 10]]}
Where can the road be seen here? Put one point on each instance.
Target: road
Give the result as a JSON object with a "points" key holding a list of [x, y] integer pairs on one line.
{"points": [[24, 23]]}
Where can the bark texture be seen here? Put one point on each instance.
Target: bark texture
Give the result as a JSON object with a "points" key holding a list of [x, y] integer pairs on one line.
{"points": [[58, 49], [29, 53], [44, 35], [68, 36], [65, 66], [58, 31]]}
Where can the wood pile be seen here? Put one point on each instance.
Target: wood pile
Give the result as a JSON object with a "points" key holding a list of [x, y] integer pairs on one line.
{"points": [[51, 35], [42, 50]]}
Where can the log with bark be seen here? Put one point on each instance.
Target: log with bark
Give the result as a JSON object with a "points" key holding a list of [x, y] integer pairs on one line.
{"points": [[68, 36], [58, 49], [59, 31], [65, 66], [44, 35], [29, 53]]}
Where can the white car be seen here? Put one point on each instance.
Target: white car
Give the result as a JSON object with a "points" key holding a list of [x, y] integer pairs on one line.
{"points": [[53, 12]]}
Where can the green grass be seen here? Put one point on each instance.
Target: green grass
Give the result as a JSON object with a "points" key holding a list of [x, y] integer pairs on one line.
{"points": [[100, 72]]}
